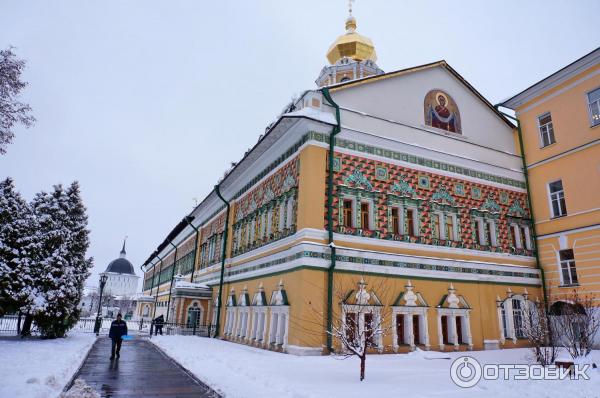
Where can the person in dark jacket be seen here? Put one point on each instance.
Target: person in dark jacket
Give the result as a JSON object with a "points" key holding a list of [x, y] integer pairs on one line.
{"points": [[118, 329], [158, 324]]}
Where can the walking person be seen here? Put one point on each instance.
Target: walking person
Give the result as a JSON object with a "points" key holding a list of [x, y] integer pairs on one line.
{"points": [[118, 329], [158, 324]]}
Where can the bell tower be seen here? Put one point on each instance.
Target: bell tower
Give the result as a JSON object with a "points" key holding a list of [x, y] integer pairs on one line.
{"points": [[351, 56]]}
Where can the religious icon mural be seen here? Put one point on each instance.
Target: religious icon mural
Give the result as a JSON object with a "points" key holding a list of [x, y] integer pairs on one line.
{"points": [[441, 112]]}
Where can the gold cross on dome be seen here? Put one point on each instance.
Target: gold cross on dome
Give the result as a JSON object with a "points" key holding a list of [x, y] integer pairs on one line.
{"points": [[350, 6]]}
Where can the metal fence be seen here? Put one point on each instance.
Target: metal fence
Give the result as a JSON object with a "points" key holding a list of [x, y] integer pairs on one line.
{"points": [[9, 325], [181, 329]]}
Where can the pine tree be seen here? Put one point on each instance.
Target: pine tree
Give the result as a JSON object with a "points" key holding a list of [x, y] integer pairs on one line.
{"points": [[17, 248], [63, 267]]}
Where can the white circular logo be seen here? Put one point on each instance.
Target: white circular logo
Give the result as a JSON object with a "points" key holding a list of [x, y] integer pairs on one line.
{"points": [[465, 372]]}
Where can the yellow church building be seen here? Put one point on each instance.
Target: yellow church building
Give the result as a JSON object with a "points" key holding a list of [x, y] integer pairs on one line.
{"points": [[560, 123], [399, 192]]}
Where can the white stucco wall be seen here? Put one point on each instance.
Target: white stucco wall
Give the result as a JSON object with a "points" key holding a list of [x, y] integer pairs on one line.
{"points": [[399, 101]]}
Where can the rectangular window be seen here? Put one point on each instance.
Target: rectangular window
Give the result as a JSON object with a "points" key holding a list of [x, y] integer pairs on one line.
{"points": [[524, 232], [449, 224], [410, 222], [400, 328], [351, 326], [444, 321], [395, 221], [481, 232], [459, 330], [557, 199], [546, 130], [491, 232], [369, 332], [416, 330], [594, 105], [364, 216], [437, 224], [567, 267], [347, 213], [518, 318]]}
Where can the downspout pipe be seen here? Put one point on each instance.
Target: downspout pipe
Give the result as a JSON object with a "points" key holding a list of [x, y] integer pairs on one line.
{"points": [[533, 227], [223, 253], [330, 271], [195, 248], [157, 285], [172, 275]]}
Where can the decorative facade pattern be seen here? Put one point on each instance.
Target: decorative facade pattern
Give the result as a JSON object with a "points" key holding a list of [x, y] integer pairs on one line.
{"points": [[212, 241], [268, 212], [430, 208]]}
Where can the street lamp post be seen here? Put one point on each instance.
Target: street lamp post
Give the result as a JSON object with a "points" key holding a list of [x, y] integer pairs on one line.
{"points": [[103, 279]]}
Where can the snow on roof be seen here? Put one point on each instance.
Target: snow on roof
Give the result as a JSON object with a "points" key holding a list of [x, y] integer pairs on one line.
{"points": [[313, 113], [190, 285]]}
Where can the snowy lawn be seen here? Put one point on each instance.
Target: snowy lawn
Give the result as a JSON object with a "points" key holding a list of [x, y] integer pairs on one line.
{"points": [[36, 368], [236, 370]]}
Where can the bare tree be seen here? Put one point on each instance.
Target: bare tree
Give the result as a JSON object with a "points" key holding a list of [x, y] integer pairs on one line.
{"points": [[576, 321], [538, 331], [362, 324], [12, 111]]}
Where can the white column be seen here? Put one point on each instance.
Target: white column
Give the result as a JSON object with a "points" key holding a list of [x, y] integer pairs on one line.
{"points": [[440, 334], [273, 327], [453, 336], [283, 328], [501, 324], [467, 328]]}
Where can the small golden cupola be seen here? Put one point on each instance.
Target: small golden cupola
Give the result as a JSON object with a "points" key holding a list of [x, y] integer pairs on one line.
{"points": [[352, 45], [351, 56]]}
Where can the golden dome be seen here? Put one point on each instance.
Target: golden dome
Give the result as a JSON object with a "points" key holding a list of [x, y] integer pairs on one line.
{"points": [[351, 45]]}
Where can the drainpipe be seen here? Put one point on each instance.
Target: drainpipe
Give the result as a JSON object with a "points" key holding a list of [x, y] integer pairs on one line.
{"points": [[172, 275], [195, 248], [223, 253], [157, 286], [336, 129], [533, 227]]}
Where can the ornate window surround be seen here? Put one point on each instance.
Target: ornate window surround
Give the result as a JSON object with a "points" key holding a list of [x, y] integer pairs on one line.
{"points": [[453, 306], [414, 304]]}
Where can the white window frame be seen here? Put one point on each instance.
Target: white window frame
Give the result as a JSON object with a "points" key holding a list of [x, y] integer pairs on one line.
{"points": [[269, 221], [415, 217], [493, 239], [571, 265], [289, 212], [371, 205], [516, 232], [353, 215], [442, 224], [589, 106], [550, 198], [544, 129], [481, 231], [400, 210]]}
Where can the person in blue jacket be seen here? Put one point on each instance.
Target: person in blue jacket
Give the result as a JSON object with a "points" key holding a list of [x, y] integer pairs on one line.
{"points": [[118, 329]]}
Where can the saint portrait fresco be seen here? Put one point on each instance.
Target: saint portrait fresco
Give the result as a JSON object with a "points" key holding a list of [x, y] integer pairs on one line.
{"points": [[441, 112]]}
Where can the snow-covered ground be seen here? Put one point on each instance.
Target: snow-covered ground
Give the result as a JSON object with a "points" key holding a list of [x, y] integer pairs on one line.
{"points": [[36, 368], [236, 370]]}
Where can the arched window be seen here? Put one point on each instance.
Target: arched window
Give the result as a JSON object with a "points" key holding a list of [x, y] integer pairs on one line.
{"points": [[442, 112]]}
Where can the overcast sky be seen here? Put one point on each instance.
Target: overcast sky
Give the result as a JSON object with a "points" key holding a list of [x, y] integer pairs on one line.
{"points": [[146, 103]]}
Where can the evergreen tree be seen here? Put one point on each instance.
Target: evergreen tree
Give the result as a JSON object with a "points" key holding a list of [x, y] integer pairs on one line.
{"points": [[63, 237], [17, 249]]}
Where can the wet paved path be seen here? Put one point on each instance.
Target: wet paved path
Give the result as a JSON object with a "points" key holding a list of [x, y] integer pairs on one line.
{"points": [[142, 371]]}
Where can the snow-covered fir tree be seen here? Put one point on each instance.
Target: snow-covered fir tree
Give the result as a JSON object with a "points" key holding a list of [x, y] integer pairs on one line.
{"points": [[62, 265], [17, 248]]}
